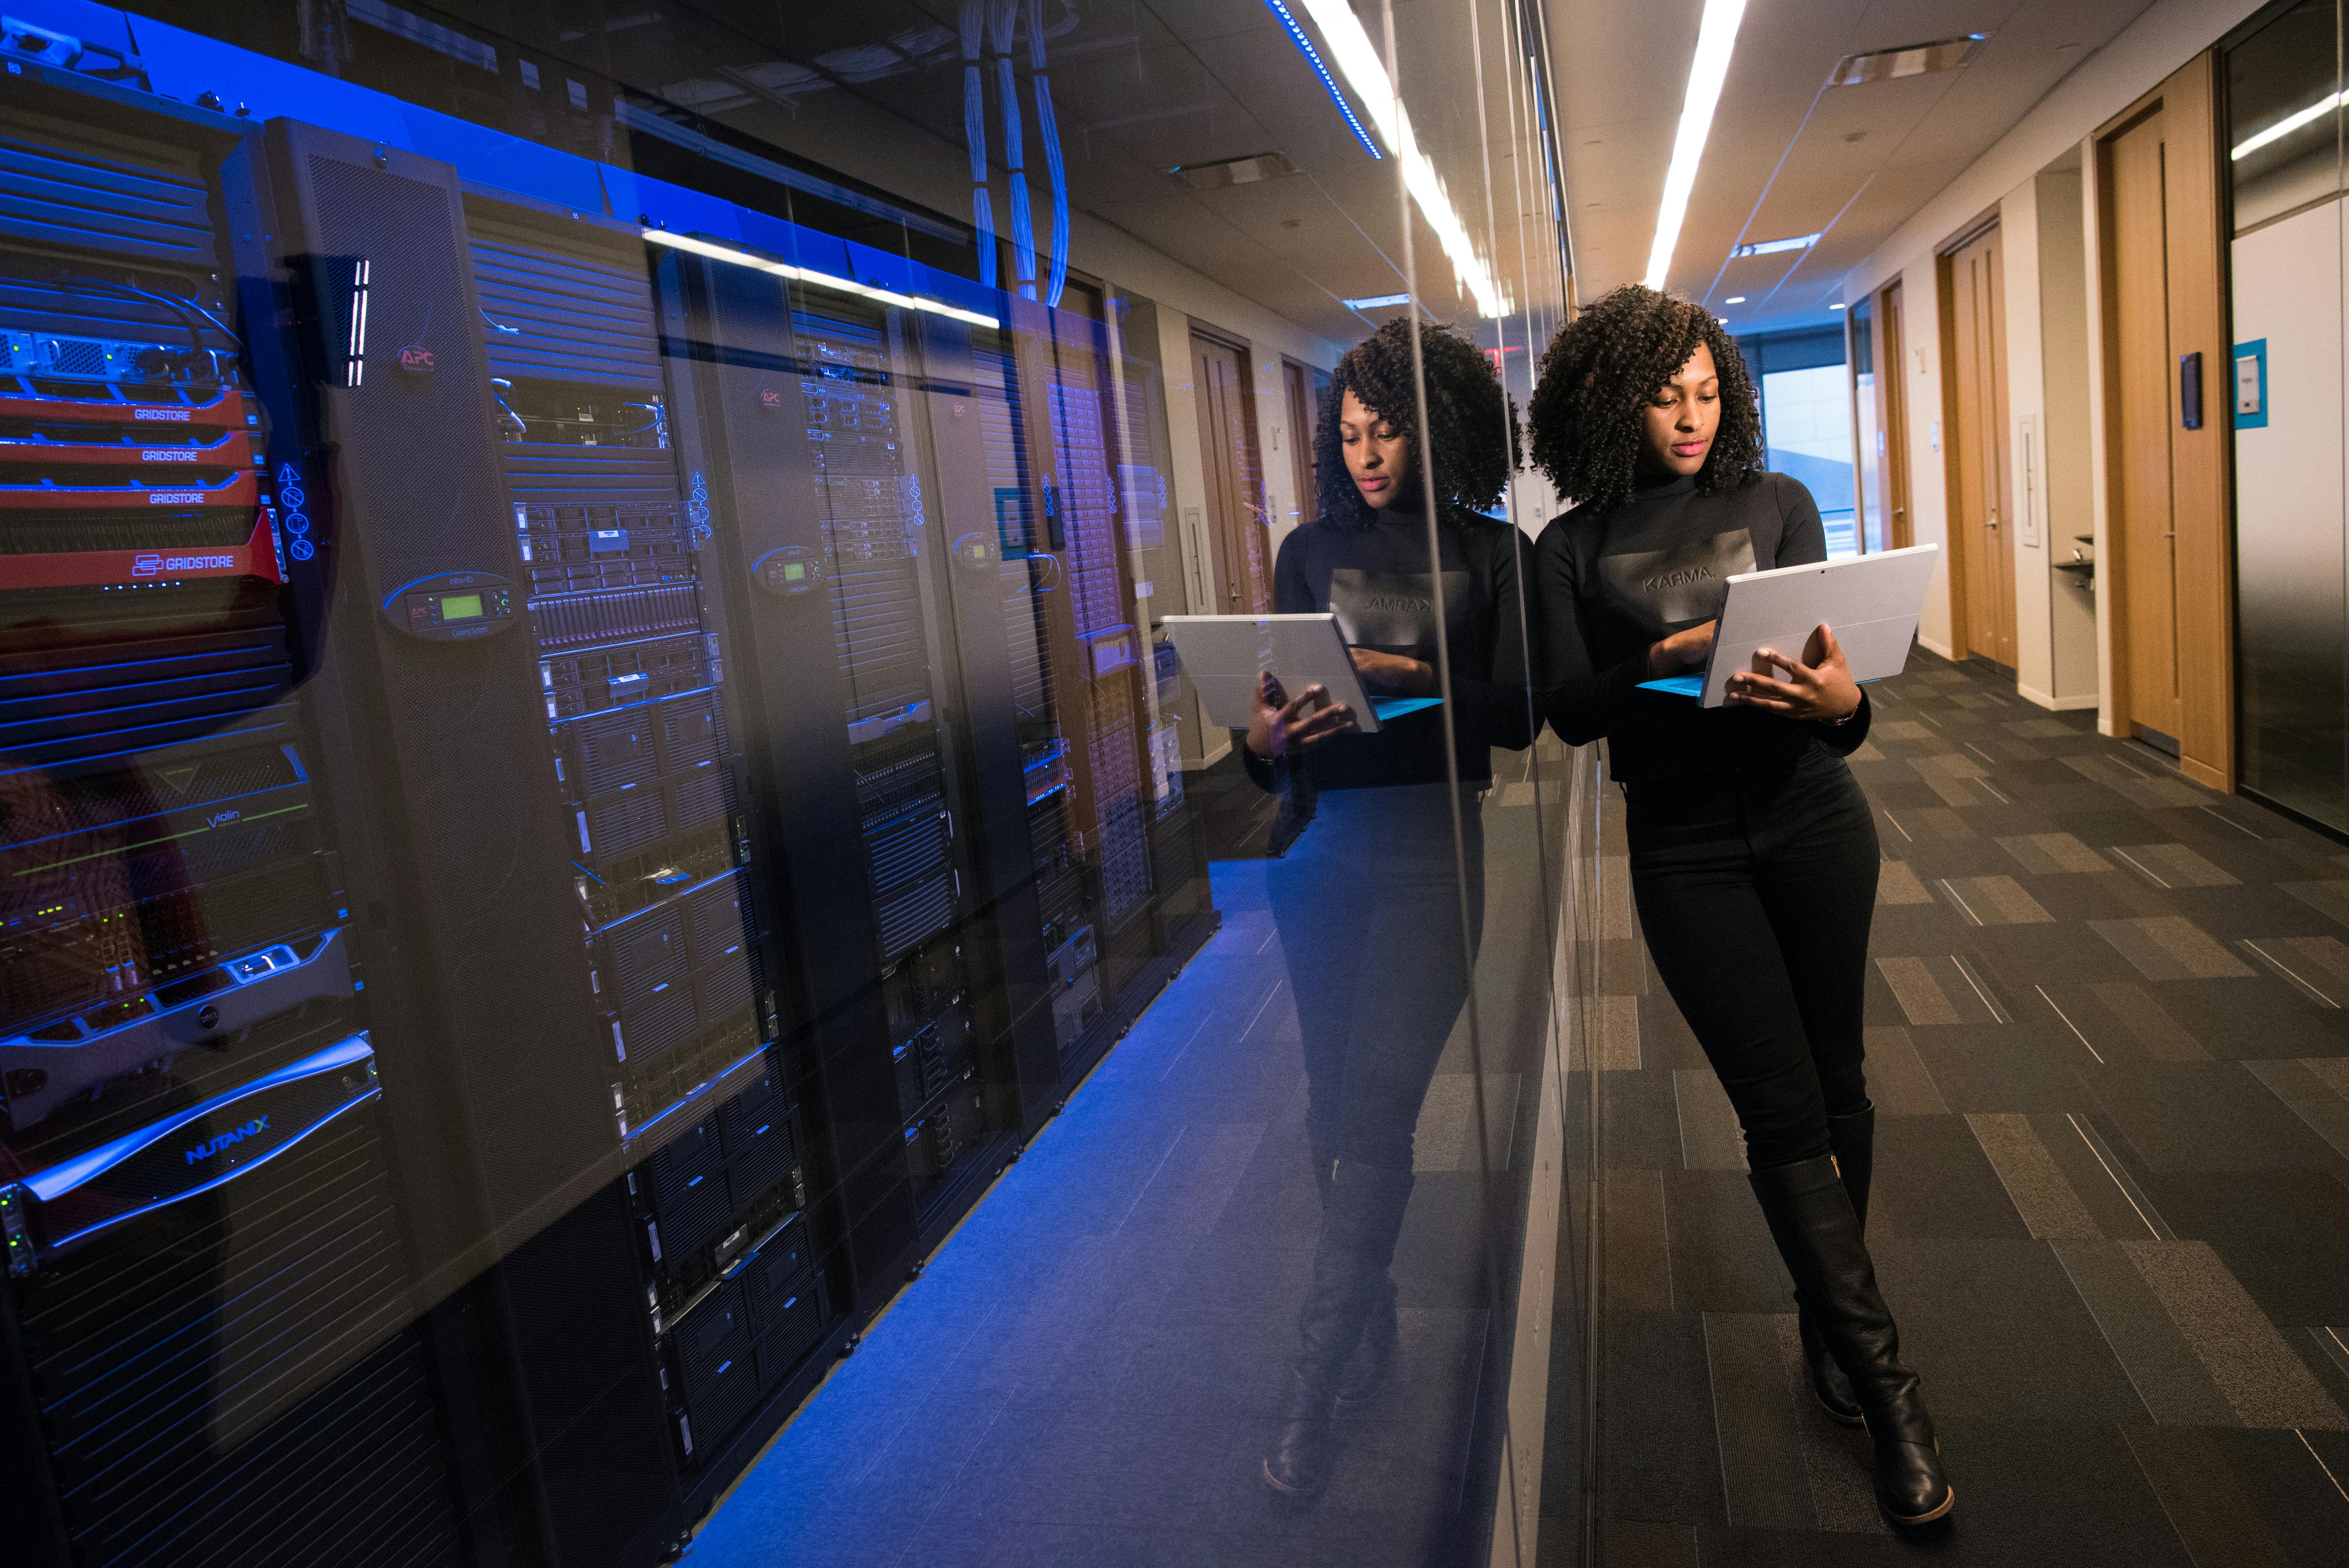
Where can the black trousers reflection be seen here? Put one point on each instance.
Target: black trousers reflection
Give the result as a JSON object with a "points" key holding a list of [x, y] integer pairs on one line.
{"points": [[1367, 902], [1756, 893]]}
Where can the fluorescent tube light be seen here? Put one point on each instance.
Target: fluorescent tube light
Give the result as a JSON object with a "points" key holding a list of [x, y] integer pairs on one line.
{"points": [[1834, 307], [1734, 299], [718, 253], [1716, 38], [2285, 128], [1358, 63], [1772, 247], [1313, 57], [1375, 300]]}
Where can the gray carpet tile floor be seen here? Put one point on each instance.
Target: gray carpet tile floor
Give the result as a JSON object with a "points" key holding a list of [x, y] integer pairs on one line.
{"points": [[2109, 1049]]}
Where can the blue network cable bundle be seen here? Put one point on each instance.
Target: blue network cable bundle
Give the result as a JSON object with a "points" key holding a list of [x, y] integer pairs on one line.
{"points": [[576, 779]]}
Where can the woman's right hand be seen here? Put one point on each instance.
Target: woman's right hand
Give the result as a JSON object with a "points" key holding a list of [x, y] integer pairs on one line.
{"points": [[1280, 722], [1681, 651]]}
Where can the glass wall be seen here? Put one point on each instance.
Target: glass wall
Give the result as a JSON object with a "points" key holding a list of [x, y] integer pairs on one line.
{"points": [[612, 947], [1806, 422], [2284, 387]]}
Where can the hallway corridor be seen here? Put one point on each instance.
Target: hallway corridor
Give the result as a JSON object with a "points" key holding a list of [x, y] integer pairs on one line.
{"points": [[2108, 1046]]}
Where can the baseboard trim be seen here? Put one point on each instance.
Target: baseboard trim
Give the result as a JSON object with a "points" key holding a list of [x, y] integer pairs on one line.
{"points": [[1933, 648], [2055, 704]]}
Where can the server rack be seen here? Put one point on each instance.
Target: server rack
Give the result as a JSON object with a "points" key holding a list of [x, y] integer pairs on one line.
{"points": [[806, 416], [632, 654], [204, 1326]]}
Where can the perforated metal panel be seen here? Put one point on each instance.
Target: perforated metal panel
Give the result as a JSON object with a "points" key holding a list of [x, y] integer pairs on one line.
{"points": [[78, 186], [228, 1381]]}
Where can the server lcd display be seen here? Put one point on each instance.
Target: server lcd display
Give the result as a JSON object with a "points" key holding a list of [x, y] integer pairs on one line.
{"points": [[462, 607]]}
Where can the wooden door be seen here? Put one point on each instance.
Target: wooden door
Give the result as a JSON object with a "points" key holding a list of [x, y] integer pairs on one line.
{"points": [[1892, 386], [1981, 534], [2168, 567], [2145, 535], [1304, 409], [1234, 470]]}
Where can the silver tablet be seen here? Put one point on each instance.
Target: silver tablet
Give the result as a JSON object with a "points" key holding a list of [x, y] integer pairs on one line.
{"points": [[1224, 655], [1871, 602]]}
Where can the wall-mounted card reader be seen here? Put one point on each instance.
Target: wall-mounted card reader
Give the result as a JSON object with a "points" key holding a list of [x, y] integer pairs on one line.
{"points": [[453, 607]]}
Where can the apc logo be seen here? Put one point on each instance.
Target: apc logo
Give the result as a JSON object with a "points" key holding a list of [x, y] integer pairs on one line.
{"points": [[234, 1135]]}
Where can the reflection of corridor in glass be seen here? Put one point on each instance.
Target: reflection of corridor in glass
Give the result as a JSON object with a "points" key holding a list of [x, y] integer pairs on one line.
{"points": [[1091, 1369]]}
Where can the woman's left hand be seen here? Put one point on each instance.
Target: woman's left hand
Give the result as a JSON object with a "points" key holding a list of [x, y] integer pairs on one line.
{"points": [[1392, 675], [1818, 686]]}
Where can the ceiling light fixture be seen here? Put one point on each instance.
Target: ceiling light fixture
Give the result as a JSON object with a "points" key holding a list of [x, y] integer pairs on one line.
{"points": [[1907, 60], [1734, 299], [1376, 302], [1772, 247], [1358, 63], [2286, 126], [718, 253], [1246, 171], [1836, 306], [1716, 38], [1304, 43]]}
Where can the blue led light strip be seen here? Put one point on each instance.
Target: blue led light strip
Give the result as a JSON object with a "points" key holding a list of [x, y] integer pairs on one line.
{"points": [[1313, 57]]}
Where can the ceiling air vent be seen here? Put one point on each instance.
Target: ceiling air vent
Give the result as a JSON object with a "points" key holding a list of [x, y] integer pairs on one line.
{"points": [[1234, 171], [1907, 60]]}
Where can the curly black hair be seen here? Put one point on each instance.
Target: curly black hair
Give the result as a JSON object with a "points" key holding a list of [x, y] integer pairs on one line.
{"points": [[1598, 374], [1472, 422]]}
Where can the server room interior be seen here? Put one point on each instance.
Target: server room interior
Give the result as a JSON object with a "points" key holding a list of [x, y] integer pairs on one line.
{"points": [[624, 941]]}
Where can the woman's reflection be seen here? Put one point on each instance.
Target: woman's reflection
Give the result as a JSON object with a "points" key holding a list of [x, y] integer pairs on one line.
{"points": [[1368, 901]]}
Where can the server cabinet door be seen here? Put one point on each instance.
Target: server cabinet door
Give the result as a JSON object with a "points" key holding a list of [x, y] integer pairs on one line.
{"points": [[776, 566], [1011, 771], [430, 605]]}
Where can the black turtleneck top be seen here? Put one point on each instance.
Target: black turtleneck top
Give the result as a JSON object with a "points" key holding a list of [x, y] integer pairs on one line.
{"points": [[1611, 585], [1376, 581]]}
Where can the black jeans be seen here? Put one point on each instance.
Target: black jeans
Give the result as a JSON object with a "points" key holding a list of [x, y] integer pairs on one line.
{"points": [[1756, 893], [1367, 902]]}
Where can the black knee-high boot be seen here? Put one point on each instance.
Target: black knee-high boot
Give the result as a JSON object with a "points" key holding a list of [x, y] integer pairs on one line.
{"points": [[1812, 1221], [1358, 1226], [1852, 1140], [1366, 1374]]}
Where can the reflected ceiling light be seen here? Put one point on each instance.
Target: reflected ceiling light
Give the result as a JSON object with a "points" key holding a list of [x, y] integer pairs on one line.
{"points": [[1836, 306], [1375, 302], [1358, 63], [1772, 247], [1304, 42], [1906, 60], [718, 253], [1734, 299], [2285, 127], [1246, 171], [1716, 37]]}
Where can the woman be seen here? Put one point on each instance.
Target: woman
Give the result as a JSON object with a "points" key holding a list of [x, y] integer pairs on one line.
{"points": [[1366, 897], [1752, 852]]}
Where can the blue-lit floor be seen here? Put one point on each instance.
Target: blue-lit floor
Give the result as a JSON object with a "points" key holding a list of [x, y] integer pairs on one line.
{"points": [[1088, 1371]]}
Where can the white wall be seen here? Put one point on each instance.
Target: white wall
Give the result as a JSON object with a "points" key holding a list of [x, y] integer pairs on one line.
{"points": [[2168, 34], [2065, 435], [2026, 415], [1929, 498]]}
